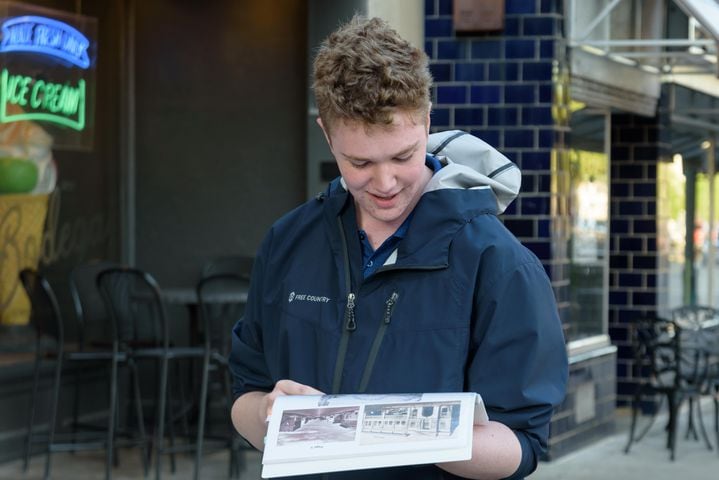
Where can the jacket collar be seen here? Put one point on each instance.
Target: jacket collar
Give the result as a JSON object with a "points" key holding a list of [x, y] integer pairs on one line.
{"points": [[437, 218]]}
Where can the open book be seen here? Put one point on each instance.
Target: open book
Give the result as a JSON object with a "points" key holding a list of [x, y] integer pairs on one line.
{"points": [[329, 433]]}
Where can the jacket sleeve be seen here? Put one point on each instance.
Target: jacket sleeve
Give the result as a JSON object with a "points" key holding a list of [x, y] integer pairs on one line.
{"points": [[518, 359], [247, 358]]}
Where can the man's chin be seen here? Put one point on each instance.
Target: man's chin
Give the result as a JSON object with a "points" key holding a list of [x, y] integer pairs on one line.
{"points": [[387, 216]]}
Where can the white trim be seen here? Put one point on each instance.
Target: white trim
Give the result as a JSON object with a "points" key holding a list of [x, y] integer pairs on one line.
{"points": [[705, 11], [585, 345], [392, 259]]}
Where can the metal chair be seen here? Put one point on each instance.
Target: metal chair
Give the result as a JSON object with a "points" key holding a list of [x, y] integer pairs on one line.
{"points": [[670, 364], [222, 298], [94, 328], [141, 329], [47, 321], [93, 323], [702, 324]]}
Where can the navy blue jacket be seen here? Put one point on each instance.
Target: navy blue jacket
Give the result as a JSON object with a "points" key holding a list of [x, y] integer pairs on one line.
{"points": [[464, 307]]}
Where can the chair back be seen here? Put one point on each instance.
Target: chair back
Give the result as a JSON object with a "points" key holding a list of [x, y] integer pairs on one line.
{"points": [[698, 325], [696, 317], [222, 298], [240, 265], [672, 354], [134, 302], [90, 310], [656, 350], [45, 314]]}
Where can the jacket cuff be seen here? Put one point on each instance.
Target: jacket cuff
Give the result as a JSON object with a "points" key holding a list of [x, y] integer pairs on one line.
{"points": [[528, 463]]}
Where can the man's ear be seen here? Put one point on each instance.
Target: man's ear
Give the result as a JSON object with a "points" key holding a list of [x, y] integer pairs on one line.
{"points": [[324, 131]]}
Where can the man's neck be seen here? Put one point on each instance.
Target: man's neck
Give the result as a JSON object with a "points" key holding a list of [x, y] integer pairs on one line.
{"points": [[377, 232]]}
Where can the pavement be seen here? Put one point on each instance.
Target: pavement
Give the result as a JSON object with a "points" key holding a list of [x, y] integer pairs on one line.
{"points": [[605, 460], [647, 459]]}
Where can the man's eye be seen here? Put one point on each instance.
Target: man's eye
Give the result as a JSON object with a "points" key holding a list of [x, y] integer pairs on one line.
{"points": [[359, 164]]}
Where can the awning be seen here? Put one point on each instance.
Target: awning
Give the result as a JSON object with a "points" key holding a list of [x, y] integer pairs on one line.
{"points": [[696, 53], [705, 11]]}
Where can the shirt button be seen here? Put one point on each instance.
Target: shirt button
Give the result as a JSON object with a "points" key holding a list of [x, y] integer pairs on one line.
{"points": [[370, 263]]}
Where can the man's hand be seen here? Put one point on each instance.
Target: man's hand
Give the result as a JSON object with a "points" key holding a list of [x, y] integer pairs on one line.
{"points": [[251, 410], [284, 387]]}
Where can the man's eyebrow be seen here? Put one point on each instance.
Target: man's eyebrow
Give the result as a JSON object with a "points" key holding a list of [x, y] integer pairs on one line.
{"points": [[401, 153]]}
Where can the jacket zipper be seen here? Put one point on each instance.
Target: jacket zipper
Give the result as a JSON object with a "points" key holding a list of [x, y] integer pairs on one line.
{"points": [[379, 336], [350, 325]]}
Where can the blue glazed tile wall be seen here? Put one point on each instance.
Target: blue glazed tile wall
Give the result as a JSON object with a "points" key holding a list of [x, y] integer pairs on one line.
{"points": [[634, 264], [498, 86], [502, 87]]}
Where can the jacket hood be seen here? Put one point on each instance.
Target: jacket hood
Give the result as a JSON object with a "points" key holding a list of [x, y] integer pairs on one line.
{"points": [[468, 164], [471, 163]]}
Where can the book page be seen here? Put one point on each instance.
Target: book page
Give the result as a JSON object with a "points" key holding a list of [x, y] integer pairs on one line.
{"points": [[323, 433]]}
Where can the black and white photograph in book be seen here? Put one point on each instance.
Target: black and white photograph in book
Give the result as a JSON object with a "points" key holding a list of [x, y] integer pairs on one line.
{"points": [[411, 422], [318, 425]]}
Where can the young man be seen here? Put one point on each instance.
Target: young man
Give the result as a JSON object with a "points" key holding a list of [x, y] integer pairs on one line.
{"points": [[401, 278]]}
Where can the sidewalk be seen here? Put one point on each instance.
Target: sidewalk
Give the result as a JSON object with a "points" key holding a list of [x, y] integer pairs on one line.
{"points": [[91, 466], [605, 460], [648, 459]]}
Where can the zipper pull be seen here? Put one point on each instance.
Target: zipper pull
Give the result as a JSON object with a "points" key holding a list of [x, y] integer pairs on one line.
{"points": [[350, 324], [390, 306]]}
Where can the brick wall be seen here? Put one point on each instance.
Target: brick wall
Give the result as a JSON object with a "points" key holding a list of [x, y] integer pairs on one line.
{"points": [[510, 88], [499, 87], [637, 145]]}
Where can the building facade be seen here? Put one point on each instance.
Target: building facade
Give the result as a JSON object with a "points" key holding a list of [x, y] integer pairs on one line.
{"points": [[202, 112], [587, 98]]}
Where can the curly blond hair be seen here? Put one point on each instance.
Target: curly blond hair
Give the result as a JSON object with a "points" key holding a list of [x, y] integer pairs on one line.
{"points": [[365, 71]]}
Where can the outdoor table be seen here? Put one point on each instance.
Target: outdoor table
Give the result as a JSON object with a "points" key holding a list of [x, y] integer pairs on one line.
{"points": [[188, 296]]}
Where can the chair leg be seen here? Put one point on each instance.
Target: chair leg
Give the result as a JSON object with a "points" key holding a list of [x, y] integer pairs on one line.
{"points": [[632, 427], [672, 426], [171, 427], [171, 414], [691, 428], [53, 414], [651, 420], [234, 441], [201, 417], [702, 429], [144, 444], [236, 456], [161, 417], [111, 420], [182, 395], [75, 408], [31, 417], [115, 453]]}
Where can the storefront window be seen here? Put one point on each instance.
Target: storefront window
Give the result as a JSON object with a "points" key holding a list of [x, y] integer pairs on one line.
{"points": [[671, 232], [589, 180], [688, 215]]}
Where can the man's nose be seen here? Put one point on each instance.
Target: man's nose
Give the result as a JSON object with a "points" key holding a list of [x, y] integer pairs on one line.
{"points": [[385, 178]]}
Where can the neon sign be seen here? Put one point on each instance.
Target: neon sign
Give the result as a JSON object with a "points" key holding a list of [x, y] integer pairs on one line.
{"points": [[31, 33], [63, 104]]}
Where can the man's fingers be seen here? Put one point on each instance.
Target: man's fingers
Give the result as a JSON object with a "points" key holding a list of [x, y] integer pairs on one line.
{"points": [[288, 387], [307, 390]]}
